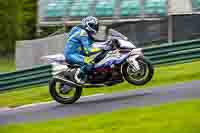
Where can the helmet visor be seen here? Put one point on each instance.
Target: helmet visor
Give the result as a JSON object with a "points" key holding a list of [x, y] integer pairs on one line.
{"points": [[94, 27]]}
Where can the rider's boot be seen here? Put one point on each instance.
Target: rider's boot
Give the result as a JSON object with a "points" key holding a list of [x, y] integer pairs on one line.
{"points": [[82, 73], [80, 76]]}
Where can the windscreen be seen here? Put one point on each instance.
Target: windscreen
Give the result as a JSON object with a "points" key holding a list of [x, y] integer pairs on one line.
{"points": [[115, 33]]}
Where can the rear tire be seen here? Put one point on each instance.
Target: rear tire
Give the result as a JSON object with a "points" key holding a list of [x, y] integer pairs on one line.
{"points": [[57, 96], [146, 67]]}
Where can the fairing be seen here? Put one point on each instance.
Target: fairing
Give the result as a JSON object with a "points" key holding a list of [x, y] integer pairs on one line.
{"points": [[112, 59]]}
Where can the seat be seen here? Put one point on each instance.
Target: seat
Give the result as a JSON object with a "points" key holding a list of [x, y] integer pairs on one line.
{"points": [[58, 8], [51, 10], [158, 7], [196, 4], [81, 8], [130, 8], [105, 8]]}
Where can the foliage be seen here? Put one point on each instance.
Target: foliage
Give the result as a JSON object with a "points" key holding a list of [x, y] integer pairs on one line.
{"points": [[18, 21], [29, 19], [7, 64], [9, 26]]}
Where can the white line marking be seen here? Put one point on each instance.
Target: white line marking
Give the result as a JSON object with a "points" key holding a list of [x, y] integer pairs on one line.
{"points": [[95, 95], [5, 109], [50, 102], [33, 105]]}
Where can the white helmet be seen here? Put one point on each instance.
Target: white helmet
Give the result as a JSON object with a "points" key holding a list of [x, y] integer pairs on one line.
{"points": [[91, 24]]}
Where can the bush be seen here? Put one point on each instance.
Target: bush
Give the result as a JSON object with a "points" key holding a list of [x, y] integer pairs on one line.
{"points": [[18, 21]]}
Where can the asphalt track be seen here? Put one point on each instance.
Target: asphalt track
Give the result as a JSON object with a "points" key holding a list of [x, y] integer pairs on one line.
{"points": [[102, 103]]}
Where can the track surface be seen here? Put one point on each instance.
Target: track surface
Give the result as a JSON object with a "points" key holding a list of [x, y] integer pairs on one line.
{"points": [[103, 103]]}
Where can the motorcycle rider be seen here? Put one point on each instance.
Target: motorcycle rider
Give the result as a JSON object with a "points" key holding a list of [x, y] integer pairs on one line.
{"points": [[78, 49]]}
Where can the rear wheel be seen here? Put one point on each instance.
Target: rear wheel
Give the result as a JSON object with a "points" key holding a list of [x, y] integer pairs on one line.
{"points": [[62, 96], [140, 77]]}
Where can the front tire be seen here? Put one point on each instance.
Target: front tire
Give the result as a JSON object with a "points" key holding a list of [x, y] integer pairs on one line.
{"points": [[59, 97], [141, 77]]}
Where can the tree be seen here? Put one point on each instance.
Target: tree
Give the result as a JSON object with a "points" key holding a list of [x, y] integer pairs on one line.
{"points": [[9, 25], [29, 20], [18, 21]]}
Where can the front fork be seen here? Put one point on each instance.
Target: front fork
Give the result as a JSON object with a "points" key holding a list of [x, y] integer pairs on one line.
{"points": [[132, 60]]}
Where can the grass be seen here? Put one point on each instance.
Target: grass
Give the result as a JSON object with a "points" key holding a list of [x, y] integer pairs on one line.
{"points": [[181, 117], [164, 75], [7, 64]]}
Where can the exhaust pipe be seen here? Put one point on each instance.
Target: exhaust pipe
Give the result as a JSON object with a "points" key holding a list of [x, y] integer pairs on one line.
{"points": [[72, 84], [67, 82]]}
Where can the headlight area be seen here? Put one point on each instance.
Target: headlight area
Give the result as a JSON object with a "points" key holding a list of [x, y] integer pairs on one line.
{"points": [[137, 51]]}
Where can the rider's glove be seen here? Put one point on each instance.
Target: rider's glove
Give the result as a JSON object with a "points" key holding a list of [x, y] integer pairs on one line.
{"points": [[108, 45], [107, 48]]}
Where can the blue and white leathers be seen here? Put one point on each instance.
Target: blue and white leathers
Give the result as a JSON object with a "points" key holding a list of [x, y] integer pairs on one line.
{"points": [[79, 47]]}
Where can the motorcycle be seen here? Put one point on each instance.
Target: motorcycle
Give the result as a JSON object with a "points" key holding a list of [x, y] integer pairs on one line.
{"points": [[124, 62]]}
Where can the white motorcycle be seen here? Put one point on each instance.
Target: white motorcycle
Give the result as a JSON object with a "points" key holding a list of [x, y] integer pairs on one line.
{"points": [[124, 62]]}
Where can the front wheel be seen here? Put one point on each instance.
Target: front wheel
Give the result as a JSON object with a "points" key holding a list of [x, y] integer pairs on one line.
{"points": [[66, 97], [141, 76]]}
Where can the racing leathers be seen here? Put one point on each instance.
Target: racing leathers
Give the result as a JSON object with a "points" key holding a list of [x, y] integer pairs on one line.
{"points": [[79, 48]]}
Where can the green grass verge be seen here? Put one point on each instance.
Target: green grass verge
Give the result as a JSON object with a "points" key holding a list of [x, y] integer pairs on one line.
{"points": [[163, 75], [7, 64], [181, 117]]}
